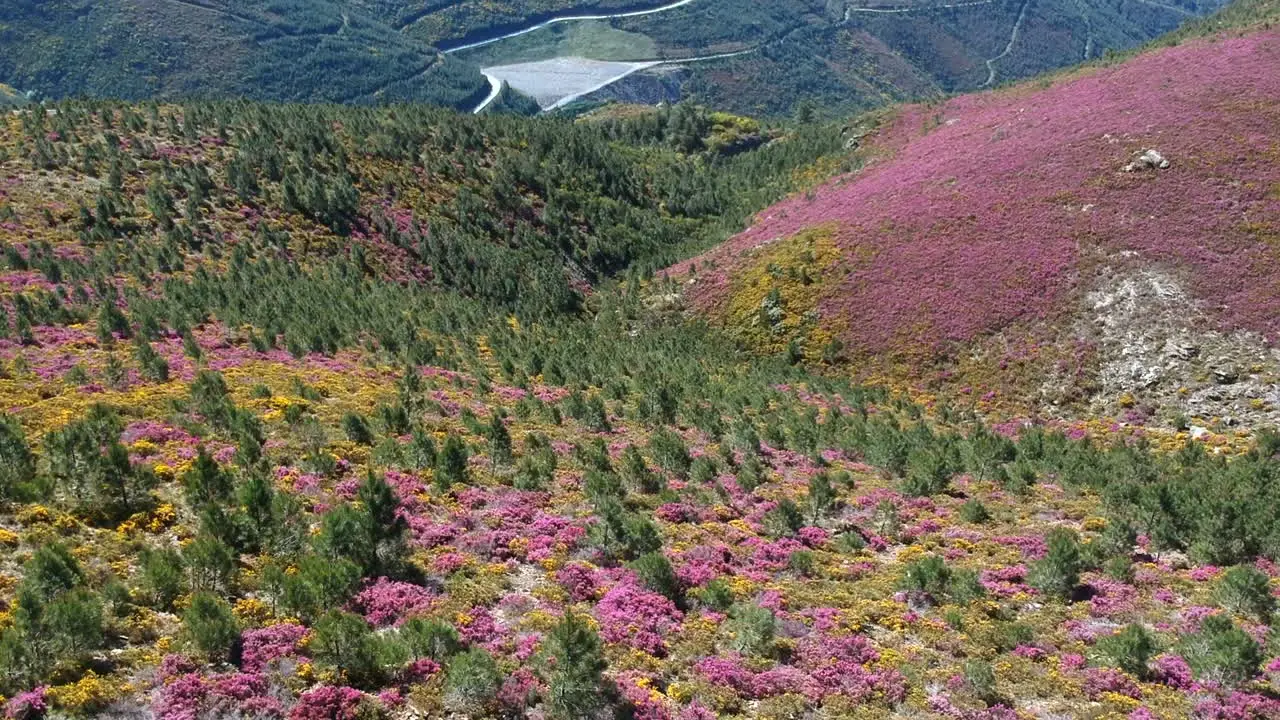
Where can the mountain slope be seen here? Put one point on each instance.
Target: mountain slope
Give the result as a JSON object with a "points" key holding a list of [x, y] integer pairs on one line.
{"points": [[310, 414], [313, 50], [845, 55], [1000, 237]]}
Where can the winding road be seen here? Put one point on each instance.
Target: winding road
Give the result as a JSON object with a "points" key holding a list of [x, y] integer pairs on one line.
{"points": [[568, 18], [495, 89], [1013, 39]]}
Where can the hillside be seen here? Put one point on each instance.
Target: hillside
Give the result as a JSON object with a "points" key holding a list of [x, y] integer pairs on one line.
{"points": [[330, 413], [1017, 246], [844, 56], [302, 50]]}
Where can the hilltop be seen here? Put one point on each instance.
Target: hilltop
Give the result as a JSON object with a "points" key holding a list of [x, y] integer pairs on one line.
{"points": [[1017, 245]]}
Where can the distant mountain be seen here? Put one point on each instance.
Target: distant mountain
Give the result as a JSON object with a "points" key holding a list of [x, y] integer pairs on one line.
{"points": [[310, 50], [1103, 238], [842, 55], [838, 54]]}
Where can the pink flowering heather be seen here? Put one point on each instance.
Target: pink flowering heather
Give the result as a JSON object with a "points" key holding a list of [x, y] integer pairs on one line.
{"points": [[1173, 671], [1239, 706], [1029, 652], [263, 646], [520, 690], [390, 602], [696, 711], [29, 705], [578, 580], [1098, 681], [645, 705], [181, 698], [327, 702], [479, 627], [975, 224], [636, 617]]}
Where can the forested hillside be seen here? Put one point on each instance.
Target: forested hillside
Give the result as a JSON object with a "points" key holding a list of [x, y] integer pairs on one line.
{"points": [[304, 50], [843, 56], [316, 412], [304, 427]]}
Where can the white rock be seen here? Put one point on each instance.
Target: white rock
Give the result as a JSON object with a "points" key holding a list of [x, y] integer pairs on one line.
{"points": [[1148, 160]]}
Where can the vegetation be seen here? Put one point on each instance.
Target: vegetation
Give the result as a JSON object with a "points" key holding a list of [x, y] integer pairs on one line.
{"points": [[337, 413]]}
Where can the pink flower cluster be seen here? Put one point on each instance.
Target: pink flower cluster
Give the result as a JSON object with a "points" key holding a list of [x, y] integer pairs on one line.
{"points": [[390, 602], [636, 617], [263, 646], [189, 696], [1098, 681], [327, 702], [29, 705], [823, 666]]}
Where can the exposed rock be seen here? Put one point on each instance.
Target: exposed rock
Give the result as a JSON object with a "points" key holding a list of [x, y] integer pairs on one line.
{"points": [[1158, 349], [657, 85], [1226, 375], [1147, 160], [1181, 349]]}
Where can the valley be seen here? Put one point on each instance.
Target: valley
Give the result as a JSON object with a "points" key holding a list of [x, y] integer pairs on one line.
{"points": [[759, 59]]}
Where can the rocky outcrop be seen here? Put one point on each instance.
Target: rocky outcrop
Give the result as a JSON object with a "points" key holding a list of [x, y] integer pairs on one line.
{"points": [[662, 84]]}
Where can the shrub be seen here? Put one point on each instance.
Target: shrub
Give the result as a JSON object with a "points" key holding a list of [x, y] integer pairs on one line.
{"points": [[821, 496], [784, 520], [1058, 573], [17, 463], [802, 561], [50, 571], [321, 583], [715, 595], [703, 471], [981, 679], [163, 573], [346, 642], [638, 474], [656, 573], [929, 577], [928, 473], [72, 623], [451, 465], [753, 629], [471, 681], [1119, 568], [1221, 652], [973, 511], [575, 681], [499, 437], [210, 563], [210, 625], [670, 452], [430, 638], [1247, 591], [356, 428], [965, 587], [1130, 650]]}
